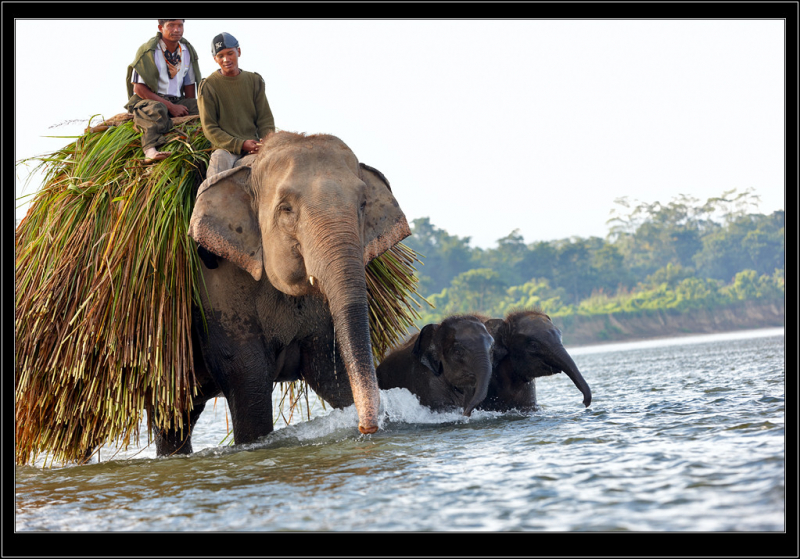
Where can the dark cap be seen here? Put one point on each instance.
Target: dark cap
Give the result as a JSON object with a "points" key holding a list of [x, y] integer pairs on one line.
{"points": [[223, 41]]}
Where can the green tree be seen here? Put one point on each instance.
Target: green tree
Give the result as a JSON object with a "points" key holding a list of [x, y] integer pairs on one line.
{"points": [[684, 250], [694, 292], [507, 258], [752, 241], [671, 274], [539, 261], [745, 285], [653, 235], [444, 256], [473, 292], [610, 272], [772, 286], [748, 286], [536, 293], [574, 271]]}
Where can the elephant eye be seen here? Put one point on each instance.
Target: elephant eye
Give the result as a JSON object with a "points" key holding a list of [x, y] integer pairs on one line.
{"points": [[363, 207], [285, 214]]}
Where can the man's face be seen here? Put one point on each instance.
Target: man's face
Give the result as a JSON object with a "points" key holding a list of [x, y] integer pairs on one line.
{"points": [[228, 60], [172, 30]]}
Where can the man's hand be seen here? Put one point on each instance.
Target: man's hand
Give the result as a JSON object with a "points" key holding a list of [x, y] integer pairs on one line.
{"points": [[177, 110], [250, 146], [145, 92]]}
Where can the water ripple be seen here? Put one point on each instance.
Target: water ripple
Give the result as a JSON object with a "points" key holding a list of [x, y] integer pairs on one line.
{"points": [[678, 438]]}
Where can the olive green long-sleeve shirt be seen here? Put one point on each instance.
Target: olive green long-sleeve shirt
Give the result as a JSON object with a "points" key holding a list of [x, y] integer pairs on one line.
{"points": [[233, 110]]}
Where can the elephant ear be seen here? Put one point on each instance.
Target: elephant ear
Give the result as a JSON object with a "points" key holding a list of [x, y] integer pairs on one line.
{"points": [[385, 223], [426, 351], [223, 221], [497, 328]]}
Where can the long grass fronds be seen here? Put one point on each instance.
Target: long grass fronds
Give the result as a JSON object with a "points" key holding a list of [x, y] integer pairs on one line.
{"points": [[392, 289], [104, 286]]}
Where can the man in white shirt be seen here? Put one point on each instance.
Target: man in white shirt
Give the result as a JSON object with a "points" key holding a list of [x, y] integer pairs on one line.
{"points": [[161, 84]]}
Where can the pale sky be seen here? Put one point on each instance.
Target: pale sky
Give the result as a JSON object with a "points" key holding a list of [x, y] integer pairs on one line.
{"points": [[485, 126]]}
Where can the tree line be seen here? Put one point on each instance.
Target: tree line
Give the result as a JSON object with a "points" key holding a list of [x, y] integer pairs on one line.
{"points": [[684, 254]]}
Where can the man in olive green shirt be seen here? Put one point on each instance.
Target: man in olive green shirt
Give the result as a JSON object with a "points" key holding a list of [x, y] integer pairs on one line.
{"points": [[233, 107]]}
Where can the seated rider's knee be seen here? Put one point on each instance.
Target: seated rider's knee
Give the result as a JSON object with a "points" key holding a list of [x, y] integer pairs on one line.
{"points": [[221, 160]]}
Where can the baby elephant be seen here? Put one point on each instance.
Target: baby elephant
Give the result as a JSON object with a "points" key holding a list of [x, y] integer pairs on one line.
{"points": [[527, 346], [447, 366]]}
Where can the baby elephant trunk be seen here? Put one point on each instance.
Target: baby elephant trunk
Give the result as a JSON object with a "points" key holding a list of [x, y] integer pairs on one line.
{"points": [[483, 374], [566, 364]]}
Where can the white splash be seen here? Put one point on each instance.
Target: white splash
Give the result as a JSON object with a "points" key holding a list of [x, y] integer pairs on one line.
{"points": [[399, 408], [398, 405]]}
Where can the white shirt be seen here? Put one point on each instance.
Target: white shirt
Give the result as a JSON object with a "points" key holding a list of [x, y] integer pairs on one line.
{"points": [[167, 86]]}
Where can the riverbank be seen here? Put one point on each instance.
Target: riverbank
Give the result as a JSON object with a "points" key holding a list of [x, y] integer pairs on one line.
{"points": [[580, 330]]}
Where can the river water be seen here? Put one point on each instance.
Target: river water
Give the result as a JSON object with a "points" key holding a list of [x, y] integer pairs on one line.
{"points": [[683, 434]]}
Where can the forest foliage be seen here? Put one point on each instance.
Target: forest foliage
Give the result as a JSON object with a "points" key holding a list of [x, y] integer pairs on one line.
{"points": [[682, 255]]}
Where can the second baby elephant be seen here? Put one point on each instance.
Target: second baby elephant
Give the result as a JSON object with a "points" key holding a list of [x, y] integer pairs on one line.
{"points": [[447, 365], [527, 346]]}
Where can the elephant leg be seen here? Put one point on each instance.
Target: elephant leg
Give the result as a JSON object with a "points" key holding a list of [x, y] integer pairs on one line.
{"points": [[179, 441], [245, 378], [243, 364], [248, 392], [176, 440]]}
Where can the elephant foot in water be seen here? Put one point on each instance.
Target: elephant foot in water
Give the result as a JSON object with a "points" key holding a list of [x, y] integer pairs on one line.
{"points": [[176, 440]]}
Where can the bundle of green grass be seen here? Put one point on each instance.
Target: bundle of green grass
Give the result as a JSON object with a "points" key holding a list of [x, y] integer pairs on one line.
{"points": [[104, 290]]}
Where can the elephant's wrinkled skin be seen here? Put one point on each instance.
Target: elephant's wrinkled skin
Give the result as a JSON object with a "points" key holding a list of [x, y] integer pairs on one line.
{"points": [[293, 227], [527, 346], [447, 365]]}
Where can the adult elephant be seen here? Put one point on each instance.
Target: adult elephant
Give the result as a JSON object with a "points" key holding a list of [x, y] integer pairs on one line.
{"points": [[446, 365], [527, 345], [285, 297]]}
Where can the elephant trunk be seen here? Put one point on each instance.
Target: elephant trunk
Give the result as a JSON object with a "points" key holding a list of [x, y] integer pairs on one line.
{"points": [[566, 364], [483, 376], [343, 283], [352, 336]]}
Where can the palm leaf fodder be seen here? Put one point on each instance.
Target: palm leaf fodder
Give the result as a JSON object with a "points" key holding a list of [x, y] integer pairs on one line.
{"points": [[104, 285], [393, 304]]}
